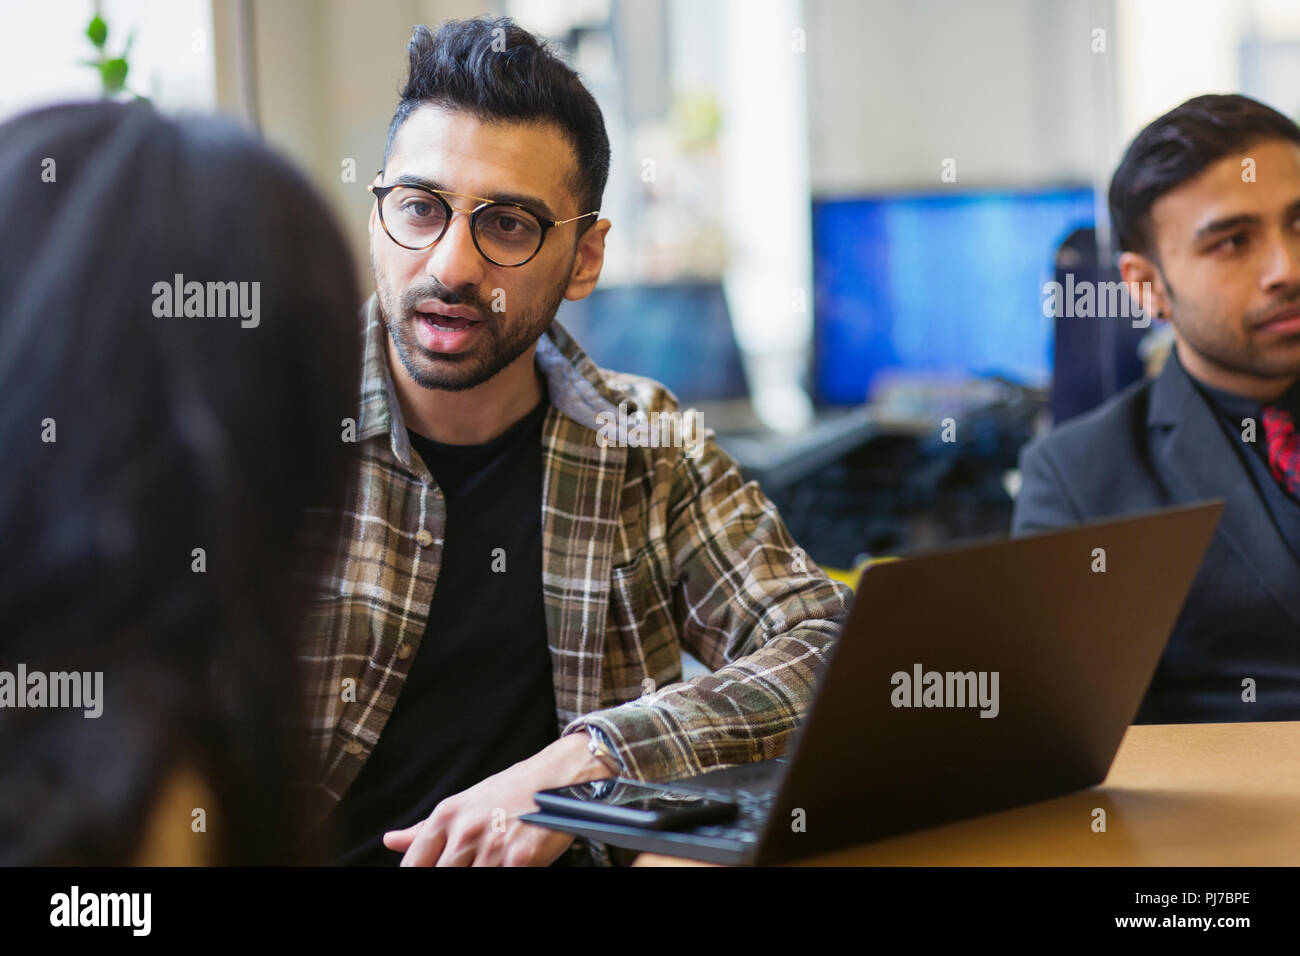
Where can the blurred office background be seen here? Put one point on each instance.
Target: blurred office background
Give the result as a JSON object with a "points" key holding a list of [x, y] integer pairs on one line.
{"points": [[833, 219]]}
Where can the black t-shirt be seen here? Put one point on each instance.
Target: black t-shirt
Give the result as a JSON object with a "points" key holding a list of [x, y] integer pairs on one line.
{"points": [[480, 694]]}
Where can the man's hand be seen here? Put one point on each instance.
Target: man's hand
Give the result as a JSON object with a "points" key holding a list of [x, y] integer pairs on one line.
{"points": [[480, 826]]}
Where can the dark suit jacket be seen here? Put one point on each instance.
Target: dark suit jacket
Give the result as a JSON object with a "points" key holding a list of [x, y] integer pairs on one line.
{"points": [[1156, 444]]}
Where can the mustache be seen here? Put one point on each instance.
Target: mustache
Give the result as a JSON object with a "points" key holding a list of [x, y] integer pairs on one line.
{"points": [[436, 290], [1284, 301]]}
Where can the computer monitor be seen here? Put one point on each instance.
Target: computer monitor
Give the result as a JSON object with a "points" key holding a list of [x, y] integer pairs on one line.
{"points": [[677, 333], [949, 282]]}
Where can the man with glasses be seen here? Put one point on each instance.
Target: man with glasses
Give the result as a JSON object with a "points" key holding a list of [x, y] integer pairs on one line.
{"points": [[506, 608]]}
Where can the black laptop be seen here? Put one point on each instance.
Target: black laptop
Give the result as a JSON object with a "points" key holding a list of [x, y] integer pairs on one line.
{"points": [[965, 681]]}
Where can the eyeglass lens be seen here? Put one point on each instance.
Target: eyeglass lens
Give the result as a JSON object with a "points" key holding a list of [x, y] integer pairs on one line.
{"points": [[506, 234]]}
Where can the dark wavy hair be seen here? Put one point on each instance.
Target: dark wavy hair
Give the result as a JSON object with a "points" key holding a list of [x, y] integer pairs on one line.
{"points": [[170, 434], [497, 71], [1176, 147]]}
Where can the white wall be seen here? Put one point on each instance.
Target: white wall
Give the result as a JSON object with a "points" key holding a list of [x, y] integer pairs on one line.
{"points": [[327, 79], [1174, 49], [1003, 87]]}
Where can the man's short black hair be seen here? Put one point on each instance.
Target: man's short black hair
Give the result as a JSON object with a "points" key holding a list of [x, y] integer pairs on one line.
{"points": [[497, 71], [1178, 146]]}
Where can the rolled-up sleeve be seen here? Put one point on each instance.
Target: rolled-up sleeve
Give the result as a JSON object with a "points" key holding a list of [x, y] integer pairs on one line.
{"points": [[749, 604]]}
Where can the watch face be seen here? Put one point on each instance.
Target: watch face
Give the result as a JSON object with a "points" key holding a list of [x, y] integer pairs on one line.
{"points": [[597, 747]]}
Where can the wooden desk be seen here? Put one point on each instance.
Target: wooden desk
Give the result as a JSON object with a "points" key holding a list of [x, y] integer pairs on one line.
{"points": [[1176, 795]]}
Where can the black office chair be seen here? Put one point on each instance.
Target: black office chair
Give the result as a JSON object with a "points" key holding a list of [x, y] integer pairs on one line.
{"points": [[1093, 358]]}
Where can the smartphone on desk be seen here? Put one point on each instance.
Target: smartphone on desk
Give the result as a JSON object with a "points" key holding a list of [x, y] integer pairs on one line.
{"points": [[633, 803]]}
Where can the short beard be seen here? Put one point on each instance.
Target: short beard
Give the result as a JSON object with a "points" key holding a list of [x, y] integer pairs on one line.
{"points": [[503, 338]]}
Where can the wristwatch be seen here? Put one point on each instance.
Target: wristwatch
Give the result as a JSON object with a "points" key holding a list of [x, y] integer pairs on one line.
{"points": [[598, 746]]}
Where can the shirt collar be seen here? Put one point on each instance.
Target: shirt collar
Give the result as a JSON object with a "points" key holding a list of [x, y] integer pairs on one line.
{"points": [[576, 386], [1232, 405]]}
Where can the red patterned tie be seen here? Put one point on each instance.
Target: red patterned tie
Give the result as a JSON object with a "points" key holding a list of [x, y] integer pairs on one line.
{"points": [[1283, 448]]}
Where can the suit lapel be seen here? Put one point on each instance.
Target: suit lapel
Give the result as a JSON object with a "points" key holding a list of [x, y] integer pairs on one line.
{"points": [[1200, 462]]}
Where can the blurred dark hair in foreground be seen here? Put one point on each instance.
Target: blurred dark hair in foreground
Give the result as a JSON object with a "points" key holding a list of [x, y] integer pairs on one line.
{"points": [[171, 434]]}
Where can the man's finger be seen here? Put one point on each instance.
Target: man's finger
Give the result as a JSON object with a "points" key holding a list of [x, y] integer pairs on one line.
{"points": [[399, 840], [492, 853], [427, 847], [462, 853]]}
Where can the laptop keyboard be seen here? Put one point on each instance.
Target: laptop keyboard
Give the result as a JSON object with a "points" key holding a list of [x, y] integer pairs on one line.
{"points": [[749, 821]]}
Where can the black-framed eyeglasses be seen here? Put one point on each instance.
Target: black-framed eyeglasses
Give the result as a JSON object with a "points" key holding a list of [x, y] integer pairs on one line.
{"points": [[505, 233]]}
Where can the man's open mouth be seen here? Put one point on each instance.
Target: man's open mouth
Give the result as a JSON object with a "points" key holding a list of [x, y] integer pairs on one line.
{"points": [[444, 322]]}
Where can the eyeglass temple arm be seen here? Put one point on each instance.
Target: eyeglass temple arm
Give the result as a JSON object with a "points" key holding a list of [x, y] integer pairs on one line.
{"points": [[561, 222]]}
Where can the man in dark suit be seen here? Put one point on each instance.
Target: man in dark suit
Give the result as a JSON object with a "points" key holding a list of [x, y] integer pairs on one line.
{"points": [[1205, 207]]}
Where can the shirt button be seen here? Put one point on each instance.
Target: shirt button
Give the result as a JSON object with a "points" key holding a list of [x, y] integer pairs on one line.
{"points": [[424, 538], [403, 651], [353, 746]]}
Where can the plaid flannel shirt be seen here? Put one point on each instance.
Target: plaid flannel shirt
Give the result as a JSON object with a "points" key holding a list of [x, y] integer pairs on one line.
{"points": [[645, 550]]}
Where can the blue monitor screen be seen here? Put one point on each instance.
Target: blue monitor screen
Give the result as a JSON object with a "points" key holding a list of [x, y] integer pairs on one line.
{"points": [[678, 334], [945, 283]]}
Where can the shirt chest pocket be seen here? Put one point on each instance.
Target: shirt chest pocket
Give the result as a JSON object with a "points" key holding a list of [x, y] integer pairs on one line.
{"points": [[642, 650]]}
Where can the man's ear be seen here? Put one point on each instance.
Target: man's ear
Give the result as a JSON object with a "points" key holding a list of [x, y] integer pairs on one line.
{"points": [[588, 261], [1145, 285]]}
